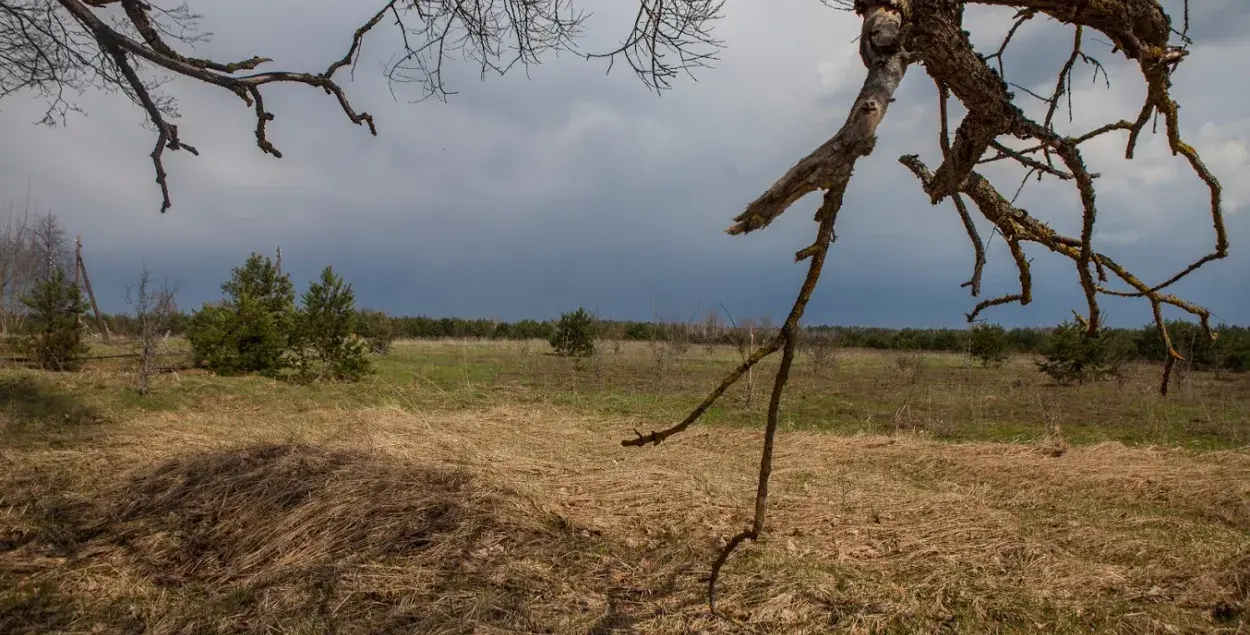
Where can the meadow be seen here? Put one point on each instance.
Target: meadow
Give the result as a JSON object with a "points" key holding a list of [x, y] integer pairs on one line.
{"points": [[480, 487]]}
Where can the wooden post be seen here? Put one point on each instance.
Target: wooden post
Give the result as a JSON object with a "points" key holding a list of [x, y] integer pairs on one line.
{"points": [[751, 370], [77, 259], [81, 267]]}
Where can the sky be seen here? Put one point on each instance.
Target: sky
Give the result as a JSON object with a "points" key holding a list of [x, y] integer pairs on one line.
{"points": [[534, 193]]}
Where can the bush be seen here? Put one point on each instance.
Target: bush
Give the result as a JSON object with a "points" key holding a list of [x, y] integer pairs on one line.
{"points": [[376, 328], [238, 337], [251, 330], [327, 345], [53, 339], [1073, 355], [819, 346], [575, 334], [676, 336], [641, 331], [989, 345], [1236, 348]]}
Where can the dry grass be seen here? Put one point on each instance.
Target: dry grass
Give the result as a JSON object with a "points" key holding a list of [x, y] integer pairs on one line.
{"points": [[510, 519]]}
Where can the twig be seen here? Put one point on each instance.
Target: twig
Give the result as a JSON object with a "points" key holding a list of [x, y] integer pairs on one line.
{"points": [[827, 214], [978, 246], [1017, 225]]}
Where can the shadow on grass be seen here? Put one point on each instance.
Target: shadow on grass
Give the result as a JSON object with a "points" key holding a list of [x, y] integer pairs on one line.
{"points": [[33, 608], [34, 412]]}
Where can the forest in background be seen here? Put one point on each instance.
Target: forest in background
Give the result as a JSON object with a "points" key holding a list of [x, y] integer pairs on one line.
{"points": [[33, 247]]}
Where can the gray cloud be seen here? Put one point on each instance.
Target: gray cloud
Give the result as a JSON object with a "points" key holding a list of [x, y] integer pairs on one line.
{"points": [[522, 197]]}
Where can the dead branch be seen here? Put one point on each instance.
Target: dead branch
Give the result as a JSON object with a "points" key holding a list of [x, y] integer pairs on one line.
{"points": [[827, 215], [829, 168], [680, 29], [49, 46], [154, 50], [978, 246], [1139, 29], [1022, 16], [930, 30], [1017, 225]]}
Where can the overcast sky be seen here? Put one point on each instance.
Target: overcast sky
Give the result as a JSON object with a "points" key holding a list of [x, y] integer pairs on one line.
{"points": [[526, 196]]}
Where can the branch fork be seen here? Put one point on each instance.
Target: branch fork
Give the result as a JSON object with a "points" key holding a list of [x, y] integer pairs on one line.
{"points": [[123, 51]]}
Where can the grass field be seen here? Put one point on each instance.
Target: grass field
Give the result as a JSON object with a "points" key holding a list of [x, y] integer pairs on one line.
{"points": [[481, 488]]}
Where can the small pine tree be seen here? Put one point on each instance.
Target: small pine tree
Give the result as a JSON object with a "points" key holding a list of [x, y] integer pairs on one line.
{"points": [[54, 334], [989, 345], [260, 279], [574, 334], [238, 337], [207, 331], [377, 329], [251, 330], [1073, 355], [329, 346]]}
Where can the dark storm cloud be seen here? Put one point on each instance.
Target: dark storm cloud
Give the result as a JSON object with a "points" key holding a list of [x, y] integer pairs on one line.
{"points": [[523, 197]]}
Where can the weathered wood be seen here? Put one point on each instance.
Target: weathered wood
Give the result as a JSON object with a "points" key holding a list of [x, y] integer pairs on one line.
{"points": [[829, 167], [81, 266]]}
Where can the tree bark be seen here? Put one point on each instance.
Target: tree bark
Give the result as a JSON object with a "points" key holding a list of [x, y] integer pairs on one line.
{"points": [[829, 167]]}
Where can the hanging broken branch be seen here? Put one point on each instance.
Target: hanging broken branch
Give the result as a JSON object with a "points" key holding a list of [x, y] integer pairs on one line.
{"points": [[829, 167]]}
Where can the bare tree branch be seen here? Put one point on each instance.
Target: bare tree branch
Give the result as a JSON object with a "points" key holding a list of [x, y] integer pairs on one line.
{"points": [[978, 246], [54, 46], [680, 28], [154, 312], [1017, 225], [829, 168]]}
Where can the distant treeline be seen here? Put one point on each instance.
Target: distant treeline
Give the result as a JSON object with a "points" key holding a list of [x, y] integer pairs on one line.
{"points": [[1231, 350]]}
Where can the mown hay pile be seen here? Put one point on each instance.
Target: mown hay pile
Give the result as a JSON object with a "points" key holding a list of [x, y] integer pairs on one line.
{"points": [[296, 538]]}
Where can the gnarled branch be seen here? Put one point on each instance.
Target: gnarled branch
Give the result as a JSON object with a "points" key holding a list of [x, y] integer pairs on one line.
{"points": [[829, 168]]}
